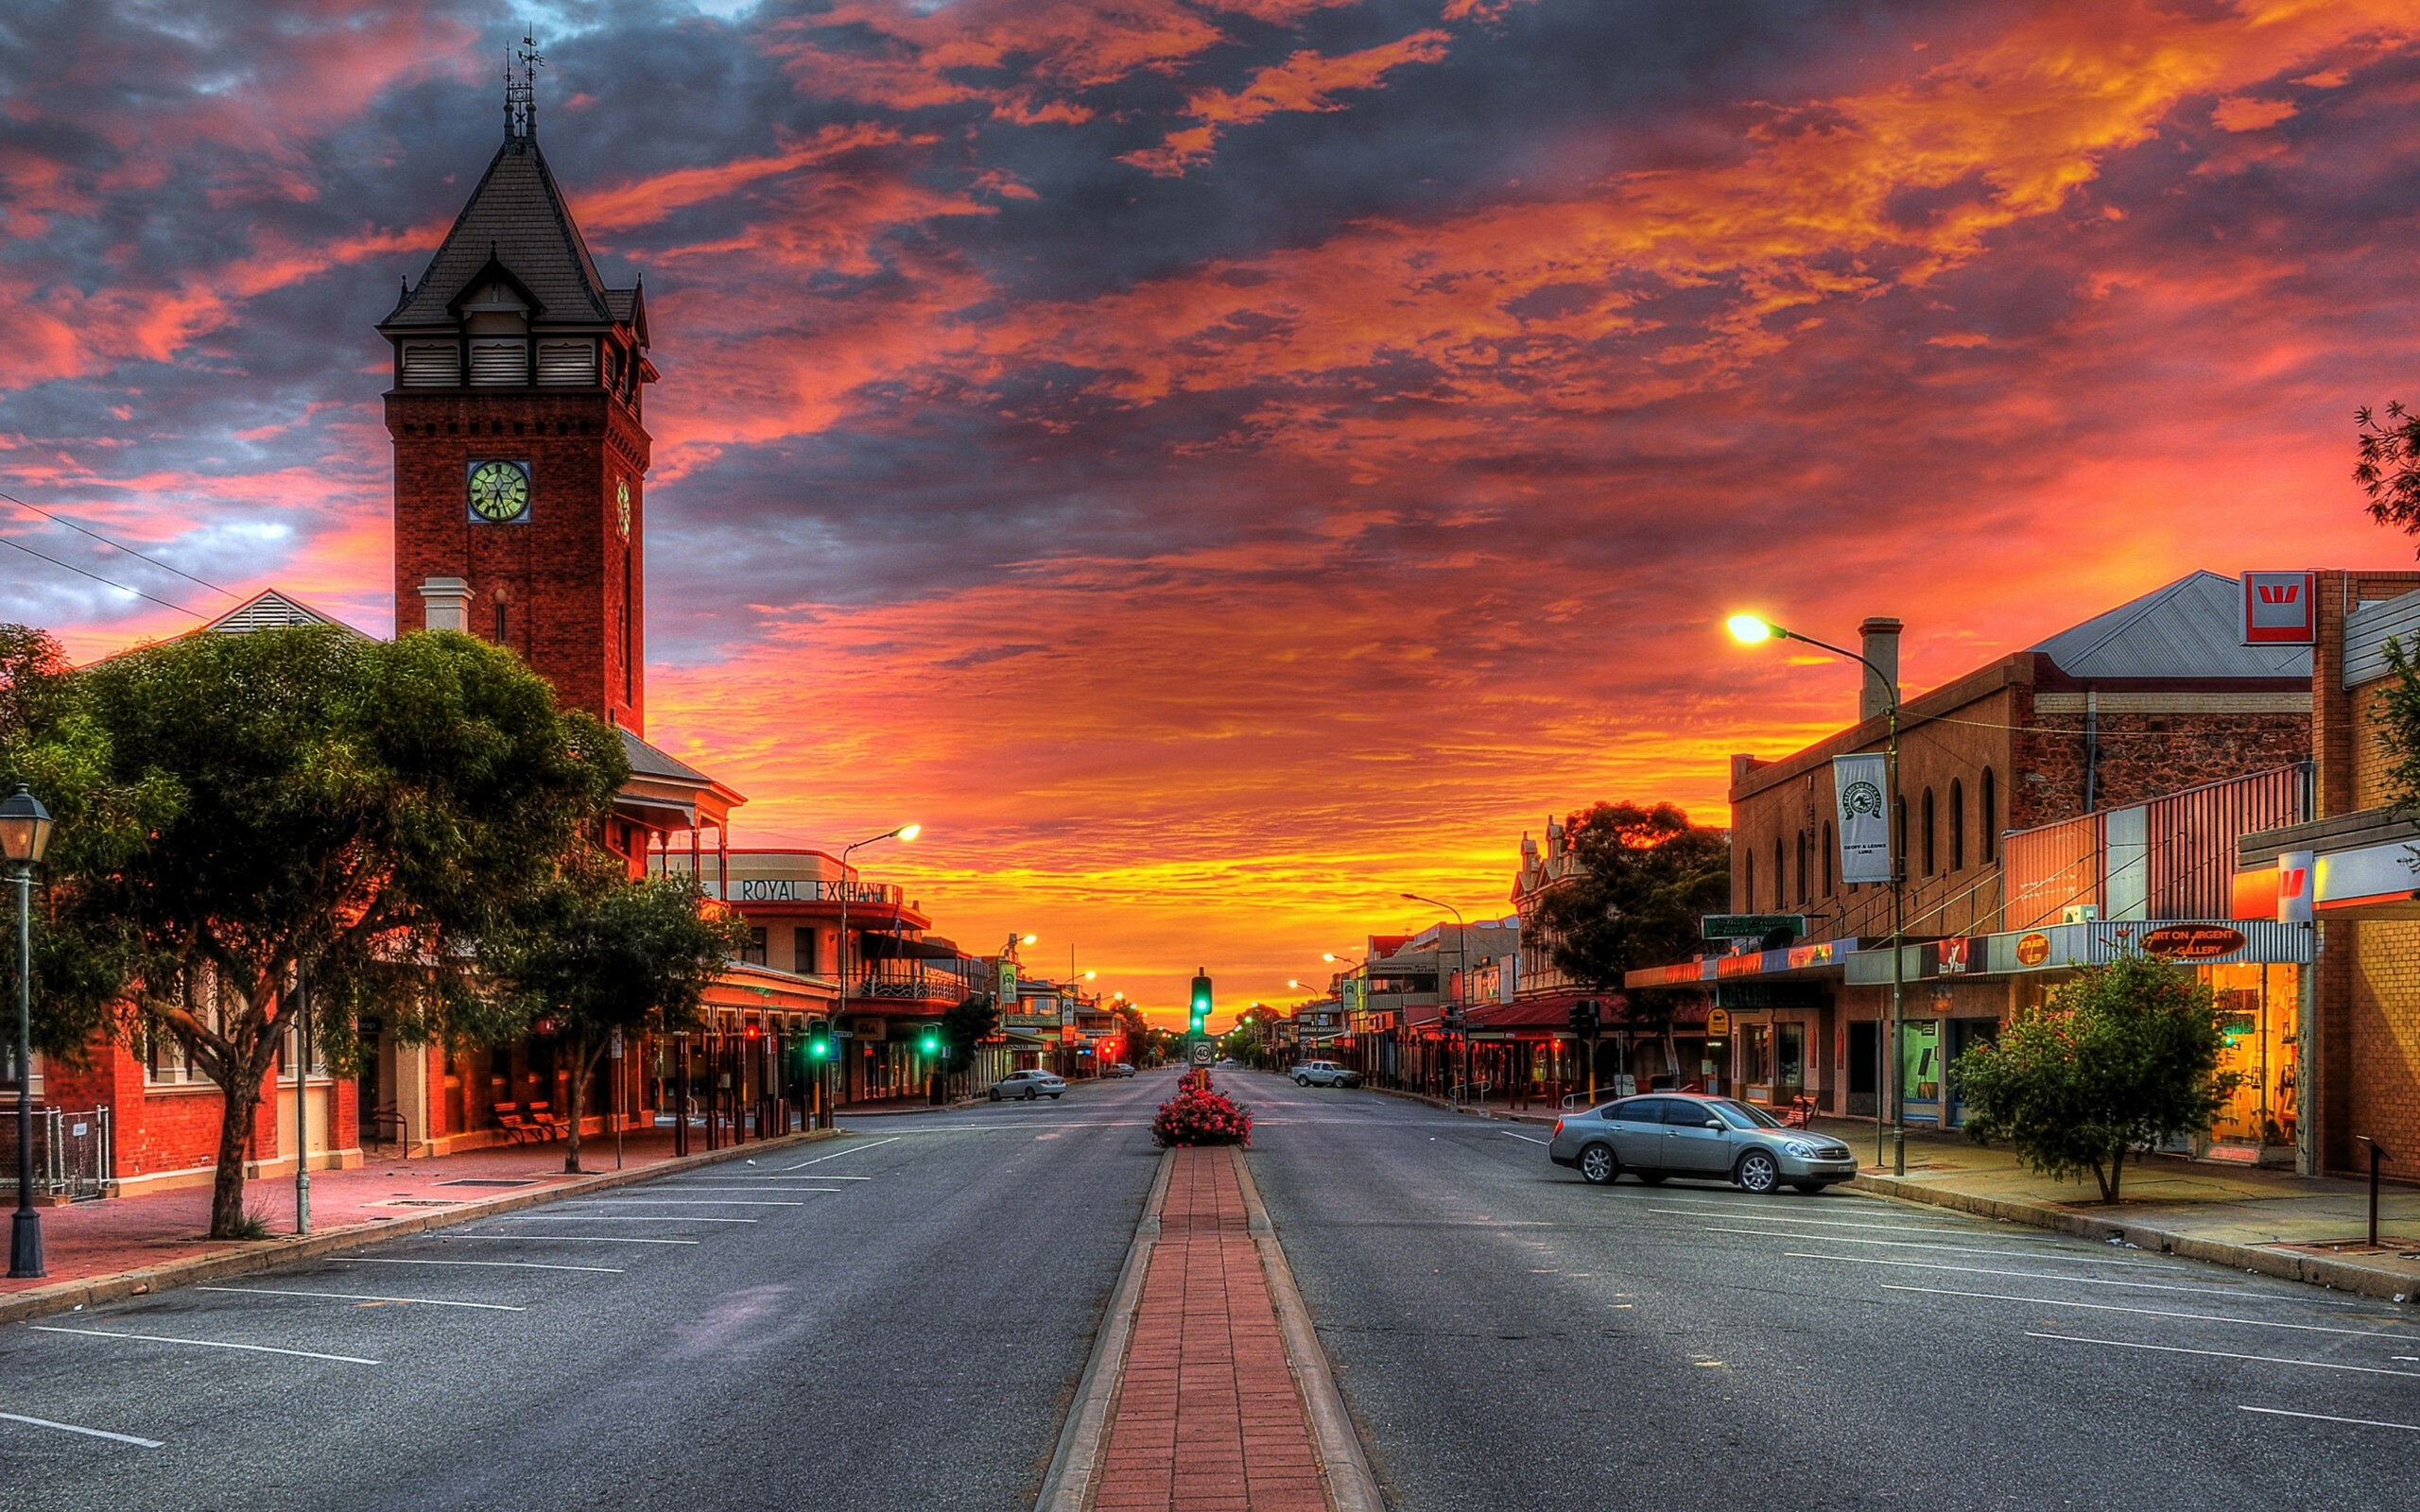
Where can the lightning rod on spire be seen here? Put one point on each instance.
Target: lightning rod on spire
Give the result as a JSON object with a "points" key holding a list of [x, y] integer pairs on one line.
{"points": [[520, 90]]}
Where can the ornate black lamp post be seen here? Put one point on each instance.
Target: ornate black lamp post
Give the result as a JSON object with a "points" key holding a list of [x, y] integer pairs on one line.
{"points": [[24, 833]]}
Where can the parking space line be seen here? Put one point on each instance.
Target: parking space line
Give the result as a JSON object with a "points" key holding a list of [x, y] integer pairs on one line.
{"points": [[2153, 1312], [569, 1239], [1953, 1249], [616, 1217], [2229, 1354], [1839, 1223], [694, 1202], [360, 1297], [1523, 1138], [836, 1154], [203, 1344], [2323, 1417], [785, 1184], [103, 1433], [2053, 1276], [497, 1264]]}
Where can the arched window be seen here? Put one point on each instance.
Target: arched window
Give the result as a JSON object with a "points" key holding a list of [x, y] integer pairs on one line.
{"points": [[1928, 833], [1780, 881], [1957, 825], [1990, 817], [1801, 868], [1827, 858]]}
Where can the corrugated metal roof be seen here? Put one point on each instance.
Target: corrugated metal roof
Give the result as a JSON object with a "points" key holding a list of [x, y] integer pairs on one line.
{"points": [[650, 760], [517, 217], [2193, 627]]}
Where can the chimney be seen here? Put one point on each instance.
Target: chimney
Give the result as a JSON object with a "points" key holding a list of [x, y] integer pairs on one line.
{"points": [[1882, 649]]}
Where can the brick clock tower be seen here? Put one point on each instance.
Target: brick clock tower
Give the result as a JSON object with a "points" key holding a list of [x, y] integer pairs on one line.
{"points": [[520, 458]]}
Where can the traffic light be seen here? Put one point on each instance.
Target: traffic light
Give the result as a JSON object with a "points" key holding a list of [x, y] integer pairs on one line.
{"points": [[1584, 1017], [1200, 999], [928, 1039], [819, 1041]]}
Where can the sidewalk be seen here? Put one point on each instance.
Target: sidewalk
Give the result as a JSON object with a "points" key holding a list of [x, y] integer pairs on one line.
{"points": [[95, 1251], [1207, 1418]]}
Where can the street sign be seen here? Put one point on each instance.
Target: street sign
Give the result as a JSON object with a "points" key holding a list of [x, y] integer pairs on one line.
{"points": [[1718, 1023], [1202, 1051], [1753, 926]]}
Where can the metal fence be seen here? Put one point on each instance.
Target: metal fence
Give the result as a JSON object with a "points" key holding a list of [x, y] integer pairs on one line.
{"points": [[71, 1152]]}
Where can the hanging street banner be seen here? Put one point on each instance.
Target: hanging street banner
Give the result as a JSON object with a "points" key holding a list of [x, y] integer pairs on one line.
{"points": [[1860, 783]]}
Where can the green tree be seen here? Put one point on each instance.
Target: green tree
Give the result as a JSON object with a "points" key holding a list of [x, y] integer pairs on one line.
{"points": [[972, 1019], [2386, 465], [359, 815], [2122, 1055], [2396, 716], [1642, 881], [598, 954]]}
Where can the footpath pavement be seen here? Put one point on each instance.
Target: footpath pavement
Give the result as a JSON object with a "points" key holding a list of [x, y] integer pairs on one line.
{"points": [[119, 1246], [2306, 1229]]}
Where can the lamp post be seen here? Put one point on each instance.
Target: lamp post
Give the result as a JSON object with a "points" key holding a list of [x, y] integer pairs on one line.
{"points": [[905, 831], [1462, 965], [24, 833], [1749, 630], [1366, 1053]]}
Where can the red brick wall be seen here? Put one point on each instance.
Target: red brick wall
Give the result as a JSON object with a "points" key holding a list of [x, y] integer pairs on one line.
{"points": [[562, 573]]}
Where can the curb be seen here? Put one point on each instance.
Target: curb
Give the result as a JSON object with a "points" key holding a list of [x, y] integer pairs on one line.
{"points": [[1351, 1488], [1067, 1486], [1444, 1106], [2315, 1270], [65, 1296]]}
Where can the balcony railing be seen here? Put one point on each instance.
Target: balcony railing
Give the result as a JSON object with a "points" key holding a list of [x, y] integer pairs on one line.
{"points": [[918, 988]]}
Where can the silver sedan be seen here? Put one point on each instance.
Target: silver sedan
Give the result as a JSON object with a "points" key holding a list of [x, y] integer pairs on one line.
{"points": [[1714, 1139]]}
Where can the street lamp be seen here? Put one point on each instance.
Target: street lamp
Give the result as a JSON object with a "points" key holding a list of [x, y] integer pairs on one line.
{"points": [[905, 831], [24, 833], [1461, 967], [1753, 629]]}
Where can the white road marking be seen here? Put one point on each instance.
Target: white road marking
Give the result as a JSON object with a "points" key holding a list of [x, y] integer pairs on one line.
{"points": [[1953, 1249], [570, 1239], [614, 1217], [2053, 1275], [770, 1183], [1962, 1229], [692, 1202], [92, 1433], [203, 1344], [360, 1297], [2229, 1354], [2324, 1417], [836, 1154], [1523, 1138], [499, 1265], [2153, 1312]]}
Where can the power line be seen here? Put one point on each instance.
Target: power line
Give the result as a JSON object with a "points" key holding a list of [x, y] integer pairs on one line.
{"points": [[104, 540], [98, 578]]}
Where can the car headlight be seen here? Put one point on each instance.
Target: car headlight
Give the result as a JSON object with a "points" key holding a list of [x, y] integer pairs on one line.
{"points": [[1802, 1150]]}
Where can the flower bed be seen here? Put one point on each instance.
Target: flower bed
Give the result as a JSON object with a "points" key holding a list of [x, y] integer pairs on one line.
{"points": [[1198, 1115]]}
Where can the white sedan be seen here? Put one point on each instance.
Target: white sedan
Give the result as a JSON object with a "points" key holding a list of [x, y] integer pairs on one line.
{"points": [[1027, 1085]]}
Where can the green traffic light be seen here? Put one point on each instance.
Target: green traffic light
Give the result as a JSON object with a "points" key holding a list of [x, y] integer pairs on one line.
{"points": [[930, 1044]]}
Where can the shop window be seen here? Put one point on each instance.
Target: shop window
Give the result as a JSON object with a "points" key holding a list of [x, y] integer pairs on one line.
{"points": [[1928, 833], [754, 952], [1756, 1059], [1957, 825], [1991, 817]]}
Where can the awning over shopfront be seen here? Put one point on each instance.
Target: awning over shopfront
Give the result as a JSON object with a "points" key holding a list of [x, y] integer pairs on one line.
{"points": [[1814, 960], [2096, 942], [2362, 865]]}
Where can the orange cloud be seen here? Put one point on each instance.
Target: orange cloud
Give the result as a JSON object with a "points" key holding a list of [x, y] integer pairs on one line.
{"points": [[1305, 81]]}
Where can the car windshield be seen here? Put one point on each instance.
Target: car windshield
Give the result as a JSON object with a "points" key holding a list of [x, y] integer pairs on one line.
{"points": [[1739, 1115]]}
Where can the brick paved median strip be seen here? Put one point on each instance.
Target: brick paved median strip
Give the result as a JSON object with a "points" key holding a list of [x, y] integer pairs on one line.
{"points": [[1208, 1417]]}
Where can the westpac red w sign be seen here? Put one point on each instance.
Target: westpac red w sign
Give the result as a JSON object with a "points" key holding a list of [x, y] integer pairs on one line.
{"points": [[2278, 608]]}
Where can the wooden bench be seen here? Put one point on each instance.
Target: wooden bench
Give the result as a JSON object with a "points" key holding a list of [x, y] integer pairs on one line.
{"points": [[1802, 1112], [518, 1128], [552, 1124]]}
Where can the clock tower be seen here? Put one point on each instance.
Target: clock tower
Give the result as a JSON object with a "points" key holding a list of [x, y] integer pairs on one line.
{"points": [[520, 455]]}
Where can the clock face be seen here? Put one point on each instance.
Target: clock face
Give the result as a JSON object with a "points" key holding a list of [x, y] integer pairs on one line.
{"points": [[622, 505], [499, 493]]}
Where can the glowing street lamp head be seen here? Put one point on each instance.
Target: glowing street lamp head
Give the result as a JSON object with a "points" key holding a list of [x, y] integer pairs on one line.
{"points": [[1330, 955], [1027, 939], [908, 832], [1751, 630]]}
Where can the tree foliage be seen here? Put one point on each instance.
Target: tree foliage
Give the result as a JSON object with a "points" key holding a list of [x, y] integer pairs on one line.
{"points": [[2122, 1055], [2396, 716], [593, 952], [972, 1019], [2388, 465], [240, 812], [1642, 879]]}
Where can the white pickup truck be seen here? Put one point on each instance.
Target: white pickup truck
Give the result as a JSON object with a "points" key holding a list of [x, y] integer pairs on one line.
{"points": [[1325, 1073]]}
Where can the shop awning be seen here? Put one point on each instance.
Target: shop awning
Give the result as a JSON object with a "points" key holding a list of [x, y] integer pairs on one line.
{"points": [[2094, 942]]}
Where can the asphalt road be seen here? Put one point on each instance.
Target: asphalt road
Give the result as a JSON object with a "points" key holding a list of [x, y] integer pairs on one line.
{"points": [[1508, 1337], [893, 1321]]}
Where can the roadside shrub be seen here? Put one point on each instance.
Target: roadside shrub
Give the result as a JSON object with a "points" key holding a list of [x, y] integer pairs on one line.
{"points": [[1198, 1115]]}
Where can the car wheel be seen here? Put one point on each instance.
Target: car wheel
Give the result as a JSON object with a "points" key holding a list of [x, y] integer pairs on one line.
{"points": [[1653, 1178], [1598, 1166], [1301, 1082], [1054, 1097], [1812, 1188], [1759, 1171], [1029, 1094], [996, 1094]]}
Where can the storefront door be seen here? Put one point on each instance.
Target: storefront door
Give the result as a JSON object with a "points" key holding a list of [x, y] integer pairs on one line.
{"points": [[1789, 1063], [1920, 1062]]}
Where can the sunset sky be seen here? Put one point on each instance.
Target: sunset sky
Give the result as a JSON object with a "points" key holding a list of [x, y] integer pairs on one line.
{"points": [[1220, 464]]}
